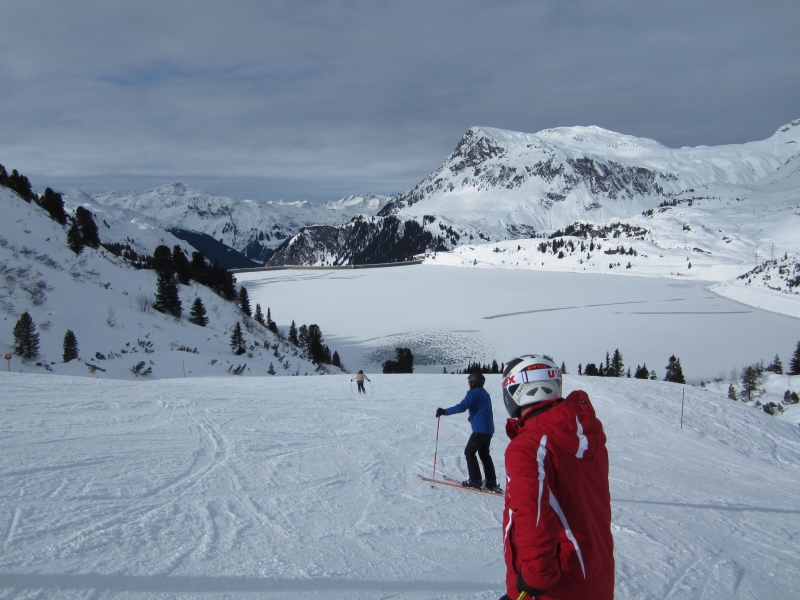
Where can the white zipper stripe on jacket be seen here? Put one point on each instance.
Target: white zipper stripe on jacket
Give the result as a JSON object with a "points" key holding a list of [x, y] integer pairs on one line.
{"points": [[508, 527], [557, 507], [583, 443], [540, 459]]}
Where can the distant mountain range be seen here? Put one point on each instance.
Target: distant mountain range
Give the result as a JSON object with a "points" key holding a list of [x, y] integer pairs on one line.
{"points": [[252, 228], [496, 185], [500, 185]]}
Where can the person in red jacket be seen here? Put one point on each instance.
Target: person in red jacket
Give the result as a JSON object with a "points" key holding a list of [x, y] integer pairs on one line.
{"points": [[557, 519]]}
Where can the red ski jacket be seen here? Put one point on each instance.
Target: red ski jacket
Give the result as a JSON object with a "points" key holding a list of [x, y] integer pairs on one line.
{"points": [[557, 518]]}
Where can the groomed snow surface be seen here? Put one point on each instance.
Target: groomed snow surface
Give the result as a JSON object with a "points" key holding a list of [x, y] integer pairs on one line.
{"points": [[295, 487]]}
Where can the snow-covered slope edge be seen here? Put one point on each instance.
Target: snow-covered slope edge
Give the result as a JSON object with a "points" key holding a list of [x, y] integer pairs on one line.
{"points": [[211, 487], [108, 304]]}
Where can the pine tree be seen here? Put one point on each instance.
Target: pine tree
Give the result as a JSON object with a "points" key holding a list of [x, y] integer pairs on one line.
{"points": [[181, 266], [293, 334], [617, 366], [271, 370], [674, 371], [270, 323], [88, 227], [794, 364], [641, 372], [259, 316], [653, 376], [580, 368], [197, 314], [237, 340], [74, 238], [302, 337], [732, 393], [751, 377], [317, 350], [563, 368], [629, 373], [608, 366], [336, 361], [70, 346], [167, 299], [53, 203], [26, 340], [162, 259], [776, 366], [244, 301], [404, 362]]}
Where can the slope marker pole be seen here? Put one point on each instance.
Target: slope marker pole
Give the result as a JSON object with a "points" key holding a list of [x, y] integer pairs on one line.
{"points": [[436, 451], [683, 398]]}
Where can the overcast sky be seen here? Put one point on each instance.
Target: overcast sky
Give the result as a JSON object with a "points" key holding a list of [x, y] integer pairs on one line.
{"points": [[315, 100]]}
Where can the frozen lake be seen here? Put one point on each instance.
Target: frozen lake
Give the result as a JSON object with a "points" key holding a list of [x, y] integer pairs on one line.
{"points": [[448, 316]]}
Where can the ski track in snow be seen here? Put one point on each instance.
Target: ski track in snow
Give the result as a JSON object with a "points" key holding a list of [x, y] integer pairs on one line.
{"points": [[289, 487]]}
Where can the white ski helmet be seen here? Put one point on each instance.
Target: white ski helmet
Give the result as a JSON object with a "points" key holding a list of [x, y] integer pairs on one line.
{"points": [[530, 379]]}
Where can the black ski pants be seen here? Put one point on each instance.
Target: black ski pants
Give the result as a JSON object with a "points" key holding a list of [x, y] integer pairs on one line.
{"points": [[361, 387], [479, 443]]}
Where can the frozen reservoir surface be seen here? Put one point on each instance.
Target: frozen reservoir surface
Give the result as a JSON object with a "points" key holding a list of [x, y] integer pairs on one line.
{"points": [[449, 316], [293, 487]]}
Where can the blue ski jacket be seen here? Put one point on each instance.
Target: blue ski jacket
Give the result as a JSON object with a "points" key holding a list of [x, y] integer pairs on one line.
{"points": [[479, 404]]}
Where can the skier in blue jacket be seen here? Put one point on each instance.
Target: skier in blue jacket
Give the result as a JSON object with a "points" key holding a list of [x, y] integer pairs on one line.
{"points": [[479, 404]]}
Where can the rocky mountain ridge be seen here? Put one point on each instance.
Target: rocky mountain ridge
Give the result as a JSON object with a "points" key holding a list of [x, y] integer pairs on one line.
{"points": [[501, 185]]}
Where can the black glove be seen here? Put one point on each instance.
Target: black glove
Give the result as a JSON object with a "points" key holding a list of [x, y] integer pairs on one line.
{"points": [[440, 412], [524, 587]]}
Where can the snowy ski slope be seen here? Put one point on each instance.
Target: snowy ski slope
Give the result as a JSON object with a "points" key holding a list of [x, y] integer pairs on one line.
{"points": [[294, 487]]}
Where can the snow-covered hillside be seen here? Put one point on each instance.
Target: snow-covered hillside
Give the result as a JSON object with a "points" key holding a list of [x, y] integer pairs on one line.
{"points": [[108, 304], [717, 233], [251, 227], [502, 181], [501, 185], [294, 487]]}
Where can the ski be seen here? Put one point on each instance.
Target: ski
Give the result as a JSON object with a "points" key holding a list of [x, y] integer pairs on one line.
{"points": [[457, 482], [452, 483]]}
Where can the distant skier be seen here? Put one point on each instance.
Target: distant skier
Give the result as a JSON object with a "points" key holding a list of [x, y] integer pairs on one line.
{"points": [[360, 377], [479, 404], [557, 519]]}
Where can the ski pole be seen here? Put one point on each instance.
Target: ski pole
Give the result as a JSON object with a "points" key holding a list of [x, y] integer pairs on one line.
{"points": [[436, 451], [372, 391], [521, 595]]}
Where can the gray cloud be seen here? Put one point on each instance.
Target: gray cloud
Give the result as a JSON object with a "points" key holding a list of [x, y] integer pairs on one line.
{"points": [[314, 100]]}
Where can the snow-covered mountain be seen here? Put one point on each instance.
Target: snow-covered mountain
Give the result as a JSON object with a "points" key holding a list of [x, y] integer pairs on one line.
{"points": [[501, 185], [108, 303], [252, 227], [744, 236]]}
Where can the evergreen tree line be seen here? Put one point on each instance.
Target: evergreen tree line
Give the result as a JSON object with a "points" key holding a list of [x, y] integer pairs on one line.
{"points": [[83, 230], [752, 376], [173, 267], [477, 367], [26, 340], [613, 366], [403, 363], [308, 338], [17, 183]]}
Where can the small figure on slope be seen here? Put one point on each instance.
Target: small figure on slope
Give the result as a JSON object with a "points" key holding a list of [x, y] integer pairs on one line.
{"points": [[360, 377], [557, 520], [479, 404]]}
